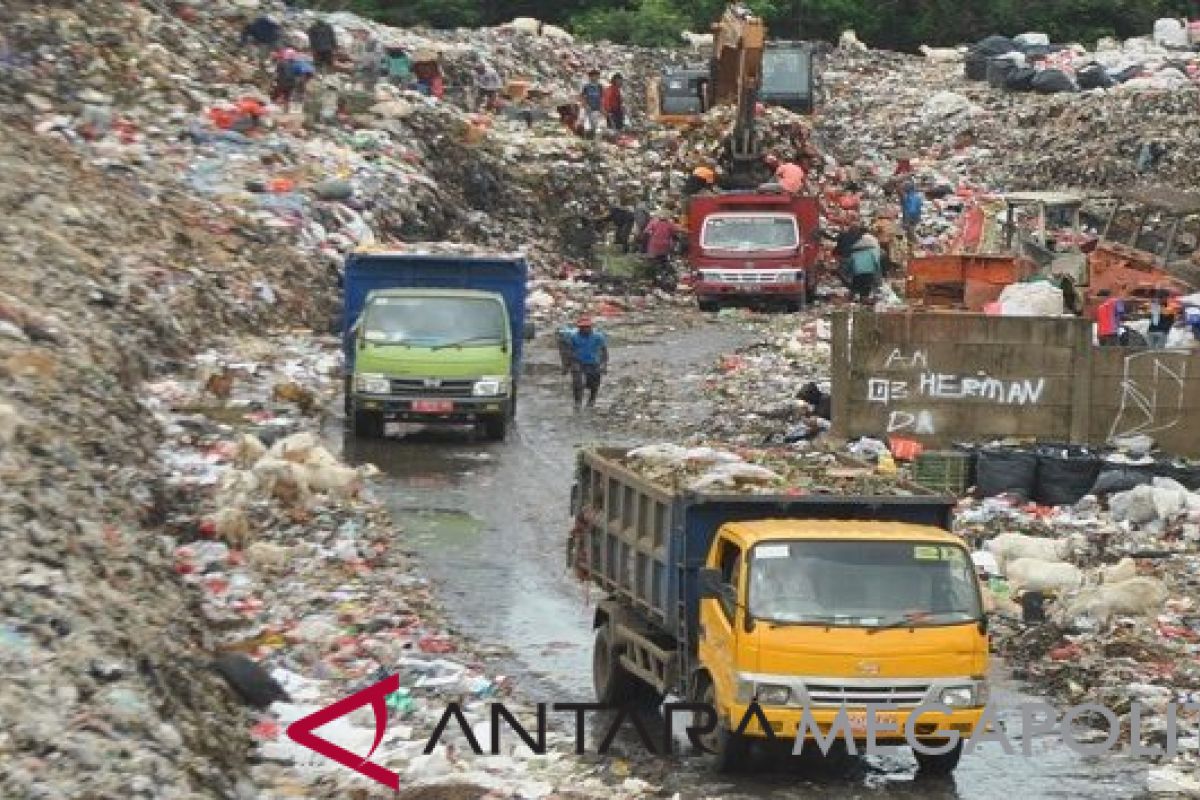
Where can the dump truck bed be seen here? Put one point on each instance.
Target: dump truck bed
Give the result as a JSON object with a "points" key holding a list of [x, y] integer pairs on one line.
{"points": [[644, 541]]}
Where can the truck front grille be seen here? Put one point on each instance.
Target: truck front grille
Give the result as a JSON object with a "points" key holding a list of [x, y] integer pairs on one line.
{"points": [[419, 387], [900, 695], [747, 276]]}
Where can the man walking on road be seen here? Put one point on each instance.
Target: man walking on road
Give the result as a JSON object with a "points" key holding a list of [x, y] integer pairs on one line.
{"points": [[587, 351]]}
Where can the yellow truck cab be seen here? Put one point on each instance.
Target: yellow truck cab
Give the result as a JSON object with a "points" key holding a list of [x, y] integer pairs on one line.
{"points": [[804, 604], [836, 614]]}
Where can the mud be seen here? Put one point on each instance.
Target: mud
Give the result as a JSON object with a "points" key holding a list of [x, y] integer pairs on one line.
{"points": [[488, 521]]}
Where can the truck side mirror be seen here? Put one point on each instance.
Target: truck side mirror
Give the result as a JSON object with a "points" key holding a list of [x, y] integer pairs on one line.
{"points": [[530, 331], [712, 584]]}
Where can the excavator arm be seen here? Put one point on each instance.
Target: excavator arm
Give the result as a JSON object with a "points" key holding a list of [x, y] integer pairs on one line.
{"points": [[737, 69]]}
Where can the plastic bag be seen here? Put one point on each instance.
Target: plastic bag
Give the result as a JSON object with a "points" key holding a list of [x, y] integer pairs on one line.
{"points": [[1065, 476], [1007, 472]]}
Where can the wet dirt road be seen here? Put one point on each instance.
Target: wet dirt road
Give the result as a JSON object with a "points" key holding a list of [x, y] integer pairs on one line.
{"points": [[489, 522]]}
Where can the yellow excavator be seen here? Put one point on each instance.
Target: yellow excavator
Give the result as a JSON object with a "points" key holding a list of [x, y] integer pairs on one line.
{"points": [[743, 65]]}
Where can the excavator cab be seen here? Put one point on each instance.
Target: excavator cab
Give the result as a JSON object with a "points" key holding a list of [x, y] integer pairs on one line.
{"points": [[787, 76]]}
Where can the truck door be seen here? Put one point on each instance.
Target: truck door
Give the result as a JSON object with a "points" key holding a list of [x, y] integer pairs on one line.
{"points": [[718, 619]]}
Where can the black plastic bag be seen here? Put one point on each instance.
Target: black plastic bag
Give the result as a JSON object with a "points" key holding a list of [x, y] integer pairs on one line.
{"points": [[1007, 471], [1094, 76], [1053, 81], [1065, 475], [998, 71], [1021, 79], [1120, 479]]}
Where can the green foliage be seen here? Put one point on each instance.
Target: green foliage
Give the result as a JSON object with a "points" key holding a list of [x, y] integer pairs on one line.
{"points": [[895, 24], [650, 23]]}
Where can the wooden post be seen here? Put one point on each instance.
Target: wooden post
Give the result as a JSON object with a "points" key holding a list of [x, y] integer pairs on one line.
{"points": [[840, 369], [1081, 383]]}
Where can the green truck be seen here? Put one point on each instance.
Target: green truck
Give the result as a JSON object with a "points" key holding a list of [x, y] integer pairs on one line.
{"points": [[433, 339]]}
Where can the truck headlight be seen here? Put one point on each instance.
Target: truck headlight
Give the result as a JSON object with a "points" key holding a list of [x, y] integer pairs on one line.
{"points": [[490, 386], [373, 384], [769, 694], [958, 696]]}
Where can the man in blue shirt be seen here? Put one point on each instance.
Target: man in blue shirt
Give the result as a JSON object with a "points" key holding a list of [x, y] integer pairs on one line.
{"points": [[911, 206], [592, 95], [586, 354]]}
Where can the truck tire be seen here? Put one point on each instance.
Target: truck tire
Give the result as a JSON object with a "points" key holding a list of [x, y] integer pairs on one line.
{"points": [[368, 424], [495, 428], [708, 305], [728, 749], [939, 765], [615, 685]]}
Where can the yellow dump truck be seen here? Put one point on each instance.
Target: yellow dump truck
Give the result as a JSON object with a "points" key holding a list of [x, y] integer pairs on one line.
{"points": [[803, 602]]}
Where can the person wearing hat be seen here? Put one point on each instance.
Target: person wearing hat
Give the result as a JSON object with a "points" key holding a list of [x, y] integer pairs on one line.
{"points": [[592, 95], [702, 179], [587, 356]]}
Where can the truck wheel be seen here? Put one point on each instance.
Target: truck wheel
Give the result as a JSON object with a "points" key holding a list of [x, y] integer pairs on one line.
{"points": [[708, 305], [942, 764], [368, 424], [614, 685], [727, 750], [495, 428]]}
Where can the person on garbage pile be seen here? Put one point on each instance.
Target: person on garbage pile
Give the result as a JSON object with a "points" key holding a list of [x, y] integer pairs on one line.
{"points": [[592, 95], [568, 115], [488, 84], [622, 218], [264, 34], [1109, 315], [787, 174], [290, 78], [884, 229], [322, 40], [614, 103], [911, 205], [369, 66], [863, 268], [821, 403], [1162, 320], [660, 240], [1191, 318], [588, 354], [702, 179]]}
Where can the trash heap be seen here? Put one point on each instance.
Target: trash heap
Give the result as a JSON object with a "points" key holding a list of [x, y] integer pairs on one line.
{"points": [[1121, 625], [295, 564], [718, 470], [755, 392]]}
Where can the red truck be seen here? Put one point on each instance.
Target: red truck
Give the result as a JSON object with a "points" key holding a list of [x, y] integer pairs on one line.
{"points": [[752, 246]]}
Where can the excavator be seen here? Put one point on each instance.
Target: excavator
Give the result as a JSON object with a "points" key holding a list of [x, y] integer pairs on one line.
{"points": [[755, 243], [744, 69]]}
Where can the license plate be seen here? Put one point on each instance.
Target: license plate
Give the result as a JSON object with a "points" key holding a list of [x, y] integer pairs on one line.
{"points": [[884, 721], [746, 289], [433, 406]]}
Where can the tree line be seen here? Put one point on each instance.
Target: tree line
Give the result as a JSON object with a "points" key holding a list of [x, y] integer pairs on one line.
{"points": [[891, 24]]}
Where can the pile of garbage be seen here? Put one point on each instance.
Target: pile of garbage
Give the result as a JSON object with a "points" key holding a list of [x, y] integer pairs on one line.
{"points": [[1106, 609], [717, 470], [295, 564]]}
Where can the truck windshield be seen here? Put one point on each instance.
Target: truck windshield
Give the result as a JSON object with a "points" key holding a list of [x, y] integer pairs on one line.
{"points": [[741, 233], [785, 72], [862, 583], [433, 321]]}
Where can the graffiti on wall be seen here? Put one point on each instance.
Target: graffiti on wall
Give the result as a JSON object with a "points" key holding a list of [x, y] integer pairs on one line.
{"points": [[1152, 393]]}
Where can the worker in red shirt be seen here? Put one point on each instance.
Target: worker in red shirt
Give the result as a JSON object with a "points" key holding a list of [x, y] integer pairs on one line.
{"points": [[789, 175], [1108, 319], [660, 241], [614, 104]]}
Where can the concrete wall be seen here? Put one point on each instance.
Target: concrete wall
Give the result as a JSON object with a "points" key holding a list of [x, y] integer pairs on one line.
{"points": [[942, 378]]}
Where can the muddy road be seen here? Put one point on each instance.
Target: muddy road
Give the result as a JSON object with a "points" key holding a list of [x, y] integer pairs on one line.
{"points": [[489, 522]]}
